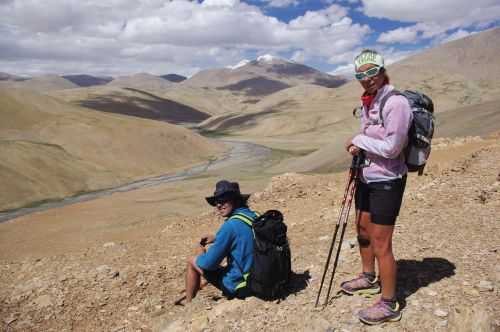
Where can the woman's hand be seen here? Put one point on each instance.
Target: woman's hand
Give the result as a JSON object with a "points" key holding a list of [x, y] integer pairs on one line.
{"points": [[354, 150], [351, 148]]}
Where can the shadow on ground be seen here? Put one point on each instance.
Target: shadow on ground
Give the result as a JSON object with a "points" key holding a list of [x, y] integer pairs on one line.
{"points": [[413, 274], [298, 282]]}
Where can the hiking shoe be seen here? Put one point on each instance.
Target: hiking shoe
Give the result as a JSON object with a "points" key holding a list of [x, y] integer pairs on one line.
{"points": [[380, 312], [361, 285]]}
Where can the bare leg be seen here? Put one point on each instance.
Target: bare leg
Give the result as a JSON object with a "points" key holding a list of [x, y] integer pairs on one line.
{"points": [[381, 243], [363, 225], [193, 277]]}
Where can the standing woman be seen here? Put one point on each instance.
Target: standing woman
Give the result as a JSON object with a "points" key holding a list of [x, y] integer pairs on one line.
{"points": [[379, 194]]}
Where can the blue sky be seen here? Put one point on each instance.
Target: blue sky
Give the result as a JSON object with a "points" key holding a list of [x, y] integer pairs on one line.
{"points": [[382, 24], [121, 37]]}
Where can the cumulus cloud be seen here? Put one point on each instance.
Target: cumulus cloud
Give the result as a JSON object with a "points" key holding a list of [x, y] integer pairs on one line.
{"points": [[392, 55], [221, 23], [318, 19], [298, 56], [281, 3], [163, 35], [220, 3], [126, 36], [343, 57], [433, 19], [326, 32], [401, 35], [344, 70], [456, 35], [448, 11]]}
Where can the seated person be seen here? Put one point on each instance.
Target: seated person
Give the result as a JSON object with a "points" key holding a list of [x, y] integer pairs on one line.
{"points": [[233, 241]]}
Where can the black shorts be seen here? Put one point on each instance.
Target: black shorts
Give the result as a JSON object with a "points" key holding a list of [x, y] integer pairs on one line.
{"points": [[215, 278], [381, 199]]}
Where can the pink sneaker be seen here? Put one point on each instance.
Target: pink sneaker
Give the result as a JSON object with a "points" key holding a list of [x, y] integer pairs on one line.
{"points": [[361, 285], [380, 312]]}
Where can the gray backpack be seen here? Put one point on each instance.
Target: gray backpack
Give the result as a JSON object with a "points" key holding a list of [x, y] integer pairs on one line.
{"points": [[421, 129]]}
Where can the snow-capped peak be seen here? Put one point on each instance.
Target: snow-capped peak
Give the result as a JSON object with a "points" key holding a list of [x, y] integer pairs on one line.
{"points": [[269, 58], [240, 64]]}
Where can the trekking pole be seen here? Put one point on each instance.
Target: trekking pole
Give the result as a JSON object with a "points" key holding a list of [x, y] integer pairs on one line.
{"points": [[352, 179], [357, 163]]}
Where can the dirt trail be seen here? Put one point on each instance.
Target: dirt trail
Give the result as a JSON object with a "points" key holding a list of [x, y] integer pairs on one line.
{"points": [[446, 243]]}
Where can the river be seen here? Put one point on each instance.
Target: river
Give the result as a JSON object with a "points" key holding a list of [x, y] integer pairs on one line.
{"points": [[239, 155]]}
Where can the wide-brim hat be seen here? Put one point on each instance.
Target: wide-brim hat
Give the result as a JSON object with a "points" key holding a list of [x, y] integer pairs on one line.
{"points": [[226, 189]]}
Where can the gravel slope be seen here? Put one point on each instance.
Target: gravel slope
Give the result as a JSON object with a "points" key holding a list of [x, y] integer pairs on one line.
{"points": [[446, 244]]}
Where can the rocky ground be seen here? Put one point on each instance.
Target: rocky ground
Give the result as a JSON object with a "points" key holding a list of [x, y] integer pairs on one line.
{"points": [[446, 243]]}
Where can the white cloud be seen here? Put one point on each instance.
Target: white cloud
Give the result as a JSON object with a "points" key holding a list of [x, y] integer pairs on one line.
{"points": [[298, 56], [392, 55], [340, 1], [401, 35], [319, 19], [344, 70], [343, 57], [466, 11], [191, 24], [127, 36], [326, 32], [220, 3], [433, 19], [162, 36], [281, 3], [456, 35]]}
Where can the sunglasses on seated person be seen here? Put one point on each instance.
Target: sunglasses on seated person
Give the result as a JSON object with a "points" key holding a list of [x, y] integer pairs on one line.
{"points": [[372, 72]]}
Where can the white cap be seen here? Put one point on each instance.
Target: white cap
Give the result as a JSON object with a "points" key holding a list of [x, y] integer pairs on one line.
{"points": [[368, 56]]}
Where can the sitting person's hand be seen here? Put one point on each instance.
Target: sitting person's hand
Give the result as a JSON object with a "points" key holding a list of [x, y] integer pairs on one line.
{"points": [[207, 239]]}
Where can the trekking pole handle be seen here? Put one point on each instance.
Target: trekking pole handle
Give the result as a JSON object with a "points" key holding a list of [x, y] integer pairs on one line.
{"points": [[358, 160]]}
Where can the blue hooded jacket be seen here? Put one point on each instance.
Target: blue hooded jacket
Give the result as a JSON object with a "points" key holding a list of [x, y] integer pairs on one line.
{"points": [[234, 240]]}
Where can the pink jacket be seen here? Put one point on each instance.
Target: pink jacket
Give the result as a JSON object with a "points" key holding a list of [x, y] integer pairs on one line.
{"points": [[384, 144]]}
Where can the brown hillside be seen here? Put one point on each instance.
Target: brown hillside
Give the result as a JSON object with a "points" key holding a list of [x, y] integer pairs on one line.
{"points": [[10, 77], [459, 73], [477, 120], [131, 101], [40, 84], [264, 69], [55, 149], [207, 100], [138, 101], [256, 79], [143, 81], [290, 111], [310, 117]]}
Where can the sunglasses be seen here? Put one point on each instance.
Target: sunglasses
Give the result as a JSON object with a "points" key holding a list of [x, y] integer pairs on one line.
{"points": [[372, 72]]}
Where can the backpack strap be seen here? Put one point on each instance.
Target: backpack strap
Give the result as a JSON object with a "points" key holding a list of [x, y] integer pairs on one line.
{"points": [[247, 221], [384, 101], [241, 217], [244, 282]]}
